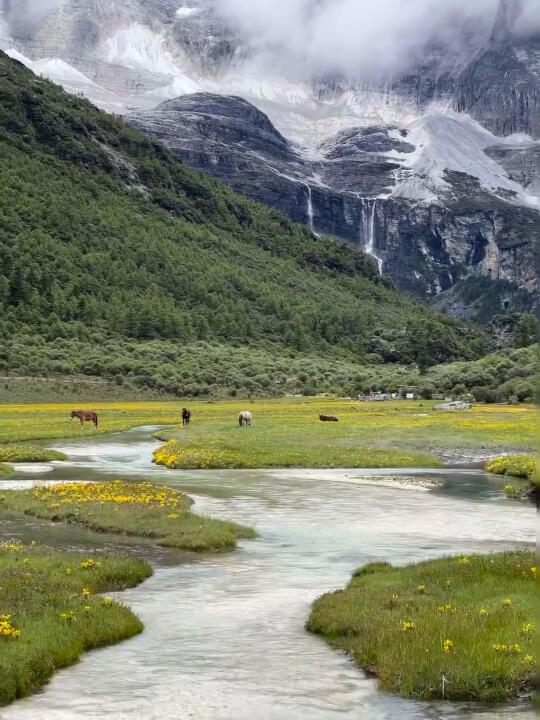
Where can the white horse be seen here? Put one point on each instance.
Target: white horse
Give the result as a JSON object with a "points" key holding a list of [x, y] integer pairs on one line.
{"points": [[245, 418]]}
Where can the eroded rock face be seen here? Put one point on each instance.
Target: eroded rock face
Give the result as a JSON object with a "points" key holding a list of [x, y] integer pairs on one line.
{"points": [[363, 185], [500, 87]]}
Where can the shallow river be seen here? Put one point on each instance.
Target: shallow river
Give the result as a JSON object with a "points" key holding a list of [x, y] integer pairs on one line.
{"points": [[224, 635]]}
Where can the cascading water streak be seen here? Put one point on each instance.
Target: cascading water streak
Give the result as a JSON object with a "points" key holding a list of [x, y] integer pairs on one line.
{"points": [[369, 229], [310, 214]]}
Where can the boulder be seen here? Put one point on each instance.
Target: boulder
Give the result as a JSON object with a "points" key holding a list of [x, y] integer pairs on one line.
{"points": [[456, 405]]}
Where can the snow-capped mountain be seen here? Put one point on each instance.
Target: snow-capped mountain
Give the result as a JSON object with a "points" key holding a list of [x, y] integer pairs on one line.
{"points": [[434, 169]]}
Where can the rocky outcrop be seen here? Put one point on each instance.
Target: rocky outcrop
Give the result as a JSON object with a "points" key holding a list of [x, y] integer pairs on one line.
{"points": [[363, 186], [500, 87]]}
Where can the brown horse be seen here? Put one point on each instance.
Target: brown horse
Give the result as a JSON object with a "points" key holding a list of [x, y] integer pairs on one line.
{"points": [[85, 416], [186, 416]]}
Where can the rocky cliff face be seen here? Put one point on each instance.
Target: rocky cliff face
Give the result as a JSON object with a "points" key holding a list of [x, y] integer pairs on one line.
{"points": [[435, 171], [429, 226]]}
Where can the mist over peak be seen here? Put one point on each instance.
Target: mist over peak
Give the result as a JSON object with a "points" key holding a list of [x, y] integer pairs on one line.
{"points": [[362, 39]]}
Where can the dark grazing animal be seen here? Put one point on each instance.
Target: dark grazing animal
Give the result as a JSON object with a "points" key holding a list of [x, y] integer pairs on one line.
{"points": [[186, 416], [85, 416], [245, 418], [328, 418]]}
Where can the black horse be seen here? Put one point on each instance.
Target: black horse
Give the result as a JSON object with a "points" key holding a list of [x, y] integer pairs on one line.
{"points": [[328, 418], [186, 416]]}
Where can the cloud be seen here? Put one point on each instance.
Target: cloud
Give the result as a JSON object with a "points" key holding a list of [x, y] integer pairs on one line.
{"points": [[528, 22], [23, 15], [363, 38]]}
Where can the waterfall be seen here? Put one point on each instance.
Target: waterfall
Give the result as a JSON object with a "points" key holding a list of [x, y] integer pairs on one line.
{"points": [[311, 223], [369, 229]]}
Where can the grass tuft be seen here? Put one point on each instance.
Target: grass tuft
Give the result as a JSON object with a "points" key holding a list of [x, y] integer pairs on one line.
{"points": [[458, 628], [51, 611], [520, 466], [29, 454]]}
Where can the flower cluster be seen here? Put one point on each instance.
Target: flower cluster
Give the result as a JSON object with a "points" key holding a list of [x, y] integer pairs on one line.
{"points": [[115, 492], [26, 453], [516, 465], [448, 646], [407, 625], [7, 629], [11, 546], [507, 648], [89, 564], [446, 608], [175, 455]]}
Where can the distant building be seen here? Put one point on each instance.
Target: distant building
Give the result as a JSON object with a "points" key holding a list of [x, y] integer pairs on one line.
{"points": [[408, 392]]}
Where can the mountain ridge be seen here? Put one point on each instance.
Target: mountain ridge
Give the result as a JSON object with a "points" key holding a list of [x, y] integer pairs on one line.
{"points": [[433, 214], [104, 228]]}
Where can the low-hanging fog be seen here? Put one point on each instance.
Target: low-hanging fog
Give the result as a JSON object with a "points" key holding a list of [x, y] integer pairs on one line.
{"points": [[364, 37]]}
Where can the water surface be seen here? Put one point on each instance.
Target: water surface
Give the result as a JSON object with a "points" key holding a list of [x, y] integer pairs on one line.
{"points": [[224, 635]]}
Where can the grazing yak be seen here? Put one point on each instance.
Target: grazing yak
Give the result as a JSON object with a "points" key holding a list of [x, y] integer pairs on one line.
{"points": [[328, 418]]}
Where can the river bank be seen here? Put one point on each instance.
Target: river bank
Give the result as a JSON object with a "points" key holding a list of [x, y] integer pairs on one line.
{"points": [[52, 611], [225, 633], [459, 628], [143, 510]]}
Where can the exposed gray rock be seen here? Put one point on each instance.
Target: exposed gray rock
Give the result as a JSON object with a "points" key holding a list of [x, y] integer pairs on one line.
{"points": [[501, 86], [456, 405], [355, 190]]}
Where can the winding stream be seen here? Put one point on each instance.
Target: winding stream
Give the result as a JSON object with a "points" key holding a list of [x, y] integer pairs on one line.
{"points": [[224, 637]]}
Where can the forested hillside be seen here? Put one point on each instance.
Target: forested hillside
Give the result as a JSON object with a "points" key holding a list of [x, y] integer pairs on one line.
{"points": [[104, 233]]}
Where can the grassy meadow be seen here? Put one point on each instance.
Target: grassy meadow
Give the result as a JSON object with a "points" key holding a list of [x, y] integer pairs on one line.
{"points": [[51, 611], [287, 431], [456, 628], [47, 421], [126, 508]]}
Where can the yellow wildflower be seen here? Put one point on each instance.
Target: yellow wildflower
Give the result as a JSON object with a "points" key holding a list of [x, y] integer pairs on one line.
{"points": [[7, 629], [407, 625], [448, 646], [90, 564]]}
